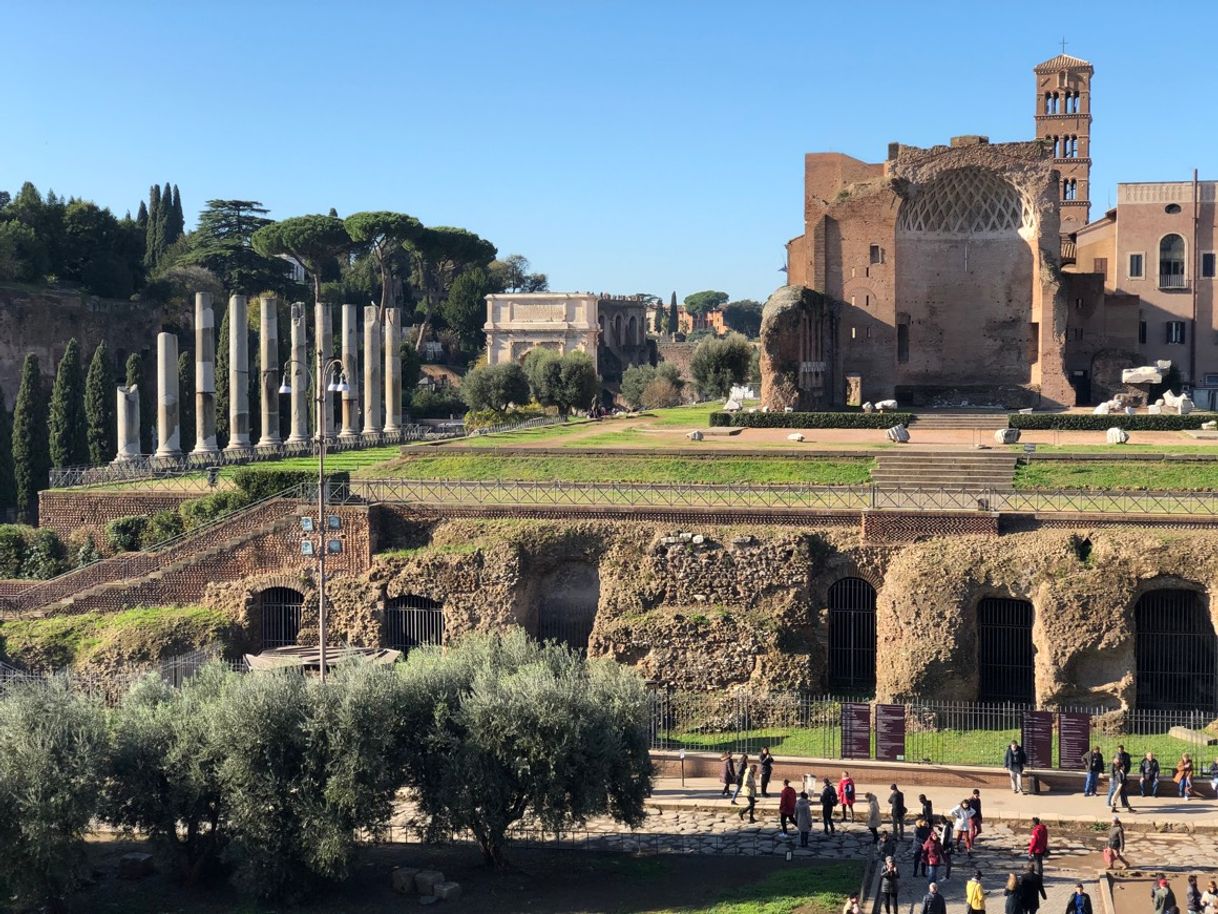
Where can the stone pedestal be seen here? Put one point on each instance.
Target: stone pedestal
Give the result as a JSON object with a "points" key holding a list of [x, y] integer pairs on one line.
{"points": [[127, 413], [168, 414], [238, 375], [393, 371], [372, 373], [298, 377], [205, 375], [350, 358], [268, 347], [323, 339]]}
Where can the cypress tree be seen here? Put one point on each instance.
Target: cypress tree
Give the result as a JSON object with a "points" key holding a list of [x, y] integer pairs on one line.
{"points": [[69, 444], [152, 238], [166, 227], [673, 323], [135, 375], [186, 401], [8, 486], [141, 217], [31, 456], [222, 382], [178, 219], [99, 407]]}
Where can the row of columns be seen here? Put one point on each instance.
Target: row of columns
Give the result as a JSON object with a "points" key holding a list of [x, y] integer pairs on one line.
{"points": [[382, 372]]}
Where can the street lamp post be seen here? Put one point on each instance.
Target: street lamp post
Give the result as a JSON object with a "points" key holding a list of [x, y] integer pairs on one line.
{"points": [[337, 384]]}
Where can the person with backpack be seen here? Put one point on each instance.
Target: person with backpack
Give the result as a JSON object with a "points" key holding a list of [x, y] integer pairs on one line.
{"points": [[828, 799], [1093, 764], [845, 795], [1014, 761]]}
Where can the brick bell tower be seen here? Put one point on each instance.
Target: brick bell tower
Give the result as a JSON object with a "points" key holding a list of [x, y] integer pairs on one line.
{"points": [[1063, 120]]}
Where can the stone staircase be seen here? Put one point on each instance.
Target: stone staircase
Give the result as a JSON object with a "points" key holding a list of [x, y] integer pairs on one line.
{"points": [[958, 470], [985, 420]]}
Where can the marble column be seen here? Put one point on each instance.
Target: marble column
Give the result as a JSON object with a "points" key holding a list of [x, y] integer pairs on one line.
{"points": [[238, 375], [168, 430], [268, 347], [350, 357], [205, 375], [127, 412], [393, 371], [299, 378], [323, 339], [372, 373]]}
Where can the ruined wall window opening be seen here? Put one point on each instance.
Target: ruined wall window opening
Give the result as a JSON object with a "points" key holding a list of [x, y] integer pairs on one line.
{"points": [[1033, 343], [1174, 333], [902, 343], [1005, 654], [1176, 652], [412, 621], [1208, 265], [1171, 262], [281, 607], [1136, 262], [876, 254], [852, 636], [1142, 332]]}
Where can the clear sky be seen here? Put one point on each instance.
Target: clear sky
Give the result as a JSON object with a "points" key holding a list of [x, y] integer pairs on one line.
{"points": [[620, 146]]}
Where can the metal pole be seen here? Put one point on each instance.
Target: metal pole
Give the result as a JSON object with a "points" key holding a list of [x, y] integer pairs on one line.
{"points": [[320, 386]]}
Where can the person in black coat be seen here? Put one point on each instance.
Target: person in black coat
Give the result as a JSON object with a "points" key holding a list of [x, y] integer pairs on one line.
{"points": [[928, 808], [1031, 890], [767, 770], [828, 799], [932, 901], [1080, 901], [896, 806]]}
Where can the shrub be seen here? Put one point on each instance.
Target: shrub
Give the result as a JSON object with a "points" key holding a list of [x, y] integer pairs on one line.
{"points": [[442, 404], [14, 544], [87, 554], [495, 387], [636, 378], [257, 483], [810, 420], [660, 393], [1091, 422], [45, 557], [718, 364], [123, 534], [199, 511], [523, 729], [164, 525], [52, 743], [488, 418]]}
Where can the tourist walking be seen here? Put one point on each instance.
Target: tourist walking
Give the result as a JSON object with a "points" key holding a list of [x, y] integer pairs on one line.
{"points": [[887, 846], [873, 816], [1121, 758], [1038, 845], [828, 799], [727, 772], [1163, 896], [896, 808], [786, 805], [974, 894], [1148, 774], [767, 770], [1192, 896], [1093, 764], [1080, 901], [963, 815], [932, 901], [932, 855], [921, 831], [1012, 903], [1184, 776], [1209, 898], [1031, 890], [1014, 762], [928, 809], [742, 768], [890, 880], [749, 788], [975, 822], [803, 817], [1115, 849], [845, 795], [1118, 790], [948, 840]]}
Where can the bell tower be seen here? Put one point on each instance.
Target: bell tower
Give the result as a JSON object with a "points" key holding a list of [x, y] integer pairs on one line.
{"points": [[1063, 120]]}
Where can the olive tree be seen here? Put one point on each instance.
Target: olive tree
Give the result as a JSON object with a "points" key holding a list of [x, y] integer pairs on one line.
{"points": [[718, 364], [637, 378], [52, 748], [495, 387], [507, 728]]}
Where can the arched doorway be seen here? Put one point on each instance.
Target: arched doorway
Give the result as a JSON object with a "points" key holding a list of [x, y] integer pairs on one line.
{"points": [[852, 636], [1005, 655], [280, 616], [1176, 651], [567, 609], [411, 621]]}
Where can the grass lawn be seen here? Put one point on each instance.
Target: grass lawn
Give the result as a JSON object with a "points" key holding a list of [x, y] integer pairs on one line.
{"points": [[602, 468], [696, 416], [792, 890], [1124, 475]]}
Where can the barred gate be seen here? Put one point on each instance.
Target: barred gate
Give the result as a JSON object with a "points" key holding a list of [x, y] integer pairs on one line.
{"points": [[567, 609], [1004, 651], [280, 616], [851, 636], [1176, 652], [411, 621]]}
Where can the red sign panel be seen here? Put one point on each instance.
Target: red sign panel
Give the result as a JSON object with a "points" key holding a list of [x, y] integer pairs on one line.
{"points": [[890, 733], [1038, 738]]}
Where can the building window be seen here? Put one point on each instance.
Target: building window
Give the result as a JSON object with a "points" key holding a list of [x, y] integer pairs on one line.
{"points": [[1070, 189], [1100, 265], [1142, 332], [1172, 209], [1074, 333], [877, 254], [1171, 262], [1207, 264], [902, 343], [1135, 266], [1175, 332]]}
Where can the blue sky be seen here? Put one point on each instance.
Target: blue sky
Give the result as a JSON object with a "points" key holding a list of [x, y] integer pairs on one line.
{"points": [[620, 146]]}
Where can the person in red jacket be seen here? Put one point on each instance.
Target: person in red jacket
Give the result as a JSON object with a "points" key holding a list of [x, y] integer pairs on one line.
{"points": [[932, 853], [1038, 845], [845, 795], [786, 805]]}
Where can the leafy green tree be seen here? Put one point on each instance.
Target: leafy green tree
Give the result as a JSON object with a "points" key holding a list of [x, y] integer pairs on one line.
{"points": [[23, 256], [524, 730], [222, 243], [45, 558], [661, 393], [95, 250], [52, 742], [512, 275], [8, 484], [720, 363], [136, 375], [186, 400], [314, 241], [385, 234], [438, 256], [701, 302], [744, 316], [153, 245], [634, 380], [141, 217], [69, 444], [465, 308], [543, 368], [578, 383], [495, 387], [674, 322], [31, 454]]}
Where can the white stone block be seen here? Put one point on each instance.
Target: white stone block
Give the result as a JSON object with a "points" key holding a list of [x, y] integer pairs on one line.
{"points": [[795, 436], [1006, 435], [1117, 436], [886, 405], [425, 881], [403, 879], [899, 434], [695, 435]]}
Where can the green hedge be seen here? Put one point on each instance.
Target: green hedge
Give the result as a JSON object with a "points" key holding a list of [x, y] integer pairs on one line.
{"points": [[810, 420], [123, 534], [1089, 422], [14, 544]]}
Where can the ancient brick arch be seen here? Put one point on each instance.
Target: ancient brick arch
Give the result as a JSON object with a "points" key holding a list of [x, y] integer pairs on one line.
{"points": [[1175, 646]]}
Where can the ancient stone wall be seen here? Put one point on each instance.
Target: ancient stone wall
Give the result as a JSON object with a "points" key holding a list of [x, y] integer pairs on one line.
{"points": [[77, 514]]}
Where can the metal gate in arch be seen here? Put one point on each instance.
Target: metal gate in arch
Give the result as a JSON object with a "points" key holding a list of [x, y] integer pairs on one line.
{"points": [[852, 636], [411, 621], [1176, 652], [1005, 655], [280, 616]]}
